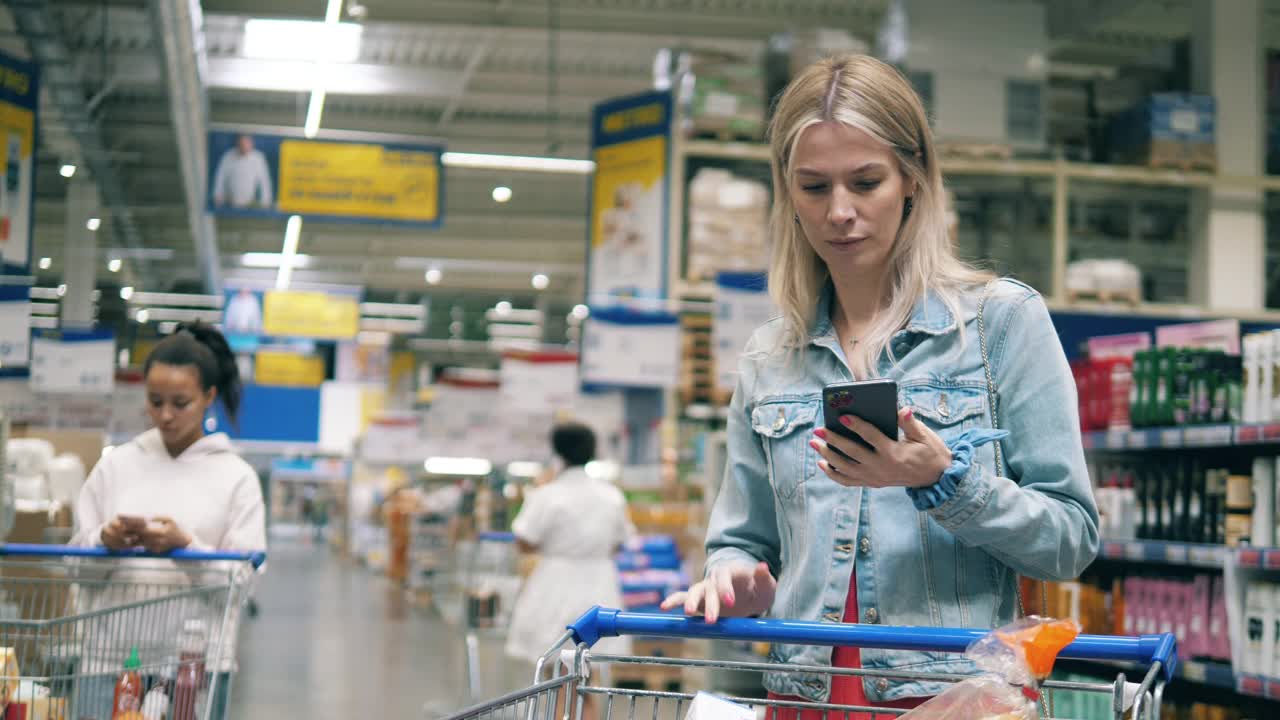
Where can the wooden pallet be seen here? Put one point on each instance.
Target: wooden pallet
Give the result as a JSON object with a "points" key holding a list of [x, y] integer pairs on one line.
{"points": [[1185, 164], [1129, 297], [974, 151]]}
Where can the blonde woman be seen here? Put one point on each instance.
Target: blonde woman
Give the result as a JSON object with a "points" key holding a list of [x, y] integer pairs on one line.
{"points": [[927, 528]]}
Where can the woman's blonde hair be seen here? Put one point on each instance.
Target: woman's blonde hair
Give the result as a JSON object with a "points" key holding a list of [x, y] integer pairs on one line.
{"points": [[864, 93]]}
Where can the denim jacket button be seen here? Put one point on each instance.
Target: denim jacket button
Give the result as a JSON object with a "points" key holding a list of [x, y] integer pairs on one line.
{"points": [[781, 422], [882, 685], [872, 616], [864, 545]]}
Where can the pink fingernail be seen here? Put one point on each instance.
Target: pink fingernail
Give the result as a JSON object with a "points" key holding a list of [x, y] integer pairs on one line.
{"points": [[815, 445], [821, 432], [845, 421]]}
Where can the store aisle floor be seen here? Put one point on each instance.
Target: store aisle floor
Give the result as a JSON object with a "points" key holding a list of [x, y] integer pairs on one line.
{"points": [[334, 641]]}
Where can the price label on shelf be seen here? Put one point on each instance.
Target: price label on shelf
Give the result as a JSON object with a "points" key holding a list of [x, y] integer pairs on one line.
{"points": [[1134, 552], [1271, 559], [1207, 436], [1113, 550], [1138, 440], [1271, 432], [1250, 685], [1205, 556], [1246, 434], [1115, 440], [1171, 438], [1249, 558], [1175, 554], [1195, 672]]}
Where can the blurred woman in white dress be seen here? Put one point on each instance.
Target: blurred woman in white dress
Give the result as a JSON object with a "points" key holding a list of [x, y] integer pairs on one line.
{"points": [[575, 524]]}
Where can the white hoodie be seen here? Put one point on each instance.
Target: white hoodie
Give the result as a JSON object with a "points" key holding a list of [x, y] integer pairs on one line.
{"points": [[208, 490], [211, 493]]}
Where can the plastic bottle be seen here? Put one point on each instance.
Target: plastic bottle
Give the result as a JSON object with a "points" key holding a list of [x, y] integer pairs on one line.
{"points": [[128, 693], [1137, 390], [188, 686], [156, 704], [1252, 377]]}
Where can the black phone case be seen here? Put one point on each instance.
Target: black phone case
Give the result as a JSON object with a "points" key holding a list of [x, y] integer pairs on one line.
{"points": [[875, 401]]}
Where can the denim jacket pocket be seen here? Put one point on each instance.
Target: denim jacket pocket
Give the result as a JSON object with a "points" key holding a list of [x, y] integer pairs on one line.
{"points": [[784, 427], [947, 409]]}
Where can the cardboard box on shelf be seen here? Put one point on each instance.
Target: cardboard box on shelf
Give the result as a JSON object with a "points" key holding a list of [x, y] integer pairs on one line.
{"points": [[84, 444]]}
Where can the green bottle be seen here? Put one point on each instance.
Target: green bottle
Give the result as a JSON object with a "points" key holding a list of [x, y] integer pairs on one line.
{"points": [[1138, 390]]}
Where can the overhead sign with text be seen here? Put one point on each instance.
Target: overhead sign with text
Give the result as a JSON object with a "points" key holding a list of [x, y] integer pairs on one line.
{"points": [[19, 95], [625, 348], [264, 175], [630, 142]]}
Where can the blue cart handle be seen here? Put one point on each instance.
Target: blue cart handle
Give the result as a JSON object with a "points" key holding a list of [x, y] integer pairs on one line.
{"points": [[601, 622], [499, 537], [66, 551]]}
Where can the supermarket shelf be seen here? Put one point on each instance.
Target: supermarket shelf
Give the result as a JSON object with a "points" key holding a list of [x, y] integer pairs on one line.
{"points": [[1211, 557], [1189, 437], [1213, 674], [1257, 558]]}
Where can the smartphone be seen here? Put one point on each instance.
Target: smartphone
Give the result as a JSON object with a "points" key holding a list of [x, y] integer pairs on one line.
{"points": [[133, 522], [875, 401]]}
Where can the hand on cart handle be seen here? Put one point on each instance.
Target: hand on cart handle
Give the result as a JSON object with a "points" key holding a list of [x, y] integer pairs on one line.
{"points": [[730, 590]]}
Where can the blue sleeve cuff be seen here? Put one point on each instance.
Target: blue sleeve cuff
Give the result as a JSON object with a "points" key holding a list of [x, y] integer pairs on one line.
{"points": [[962, 449]]}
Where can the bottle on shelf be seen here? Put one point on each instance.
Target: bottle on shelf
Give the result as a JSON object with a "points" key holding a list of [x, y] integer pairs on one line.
{"points": [[127, 697], [189, 696]]}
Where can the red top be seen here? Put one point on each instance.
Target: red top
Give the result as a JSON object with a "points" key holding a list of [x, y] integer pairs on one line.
{"points": [[845, 689]]}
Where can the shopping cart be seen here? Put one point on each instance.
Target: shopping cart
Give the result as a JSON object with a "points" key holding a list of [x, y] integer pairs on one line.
{"points": [[72, 619], [564, 673], [490, 582]]}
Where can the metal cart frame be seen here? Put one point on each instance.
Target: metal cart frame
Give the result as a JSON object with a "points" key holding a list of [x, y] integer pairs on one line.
{"points": [[564, 672]]}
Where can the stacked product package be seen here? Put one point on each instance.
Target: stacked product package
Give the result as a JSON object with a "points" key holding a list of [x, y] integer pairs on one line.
{"points": [[728, 224]]}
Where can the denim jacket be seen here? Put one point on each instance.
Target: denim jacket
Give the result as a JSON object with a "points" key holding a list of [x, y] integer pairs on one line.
{"points": [[953, 566]]}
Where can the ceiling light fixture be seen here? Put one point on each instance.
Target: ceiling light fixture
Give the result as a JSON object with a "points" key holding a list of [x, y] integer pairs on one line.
{"points": [[62, 290], [503, 307], [433, 276], [114, 264], [93, 224], [501, 194], [517, 162], [46, 263], [581, 312], [287, 254], [142, 316], [126, 292], [304, 40], [540, 281], [67, 170]]}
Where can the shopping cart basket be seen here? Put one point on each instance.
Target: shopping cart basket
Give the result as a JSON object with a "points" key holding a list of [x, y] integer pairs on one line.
{"points": [[72, 618], [566, 669]]}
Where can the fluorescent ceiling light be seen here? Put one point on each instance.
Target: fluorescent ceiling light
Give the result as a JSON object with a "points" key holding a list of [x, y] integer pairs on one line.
{"points": [[142, 316], [272, 260], [458, 466], [315, 108], [291, 232], [62, 290], [93, 224], [179, 299], [540, 281], [306, 40], [44, 323], [581, 312], [114, 264], [503, 307], [398, 310], [433, 276], [44, 308], [400, 326], [524, 469], [501, 194], [186, 315], [126, 292], [67, 170], [517, 162], [45, 263]]}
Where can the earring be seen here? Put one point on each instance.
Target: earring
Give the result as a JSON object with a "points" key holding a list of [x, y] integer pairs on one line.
{"points": [[210, 423], [797, 218], [907, 205]]}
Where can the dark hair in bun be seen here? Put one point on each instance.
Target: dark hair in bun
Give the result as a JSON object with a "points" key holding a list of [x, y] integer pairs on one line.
{"points": [[203, 347]]}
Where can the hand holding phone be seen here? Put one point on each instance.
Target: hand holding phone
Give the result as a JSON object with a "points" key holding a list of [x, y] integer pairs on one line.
{"points": [[875, 401]]}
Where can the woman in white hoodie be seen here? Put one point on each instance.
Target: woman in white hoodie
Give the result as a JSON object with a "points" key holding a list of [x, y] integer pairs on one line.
{"points": [[171, 487]]}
